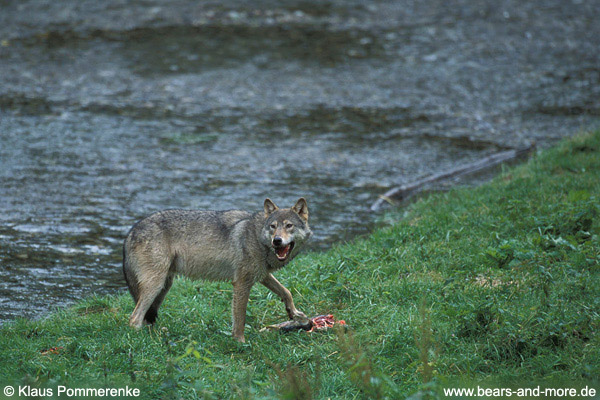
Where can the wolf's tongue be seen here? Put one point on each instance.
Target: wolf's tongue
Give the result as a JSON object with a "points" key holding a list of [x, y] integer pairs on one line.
{"points": [[282, 252]]}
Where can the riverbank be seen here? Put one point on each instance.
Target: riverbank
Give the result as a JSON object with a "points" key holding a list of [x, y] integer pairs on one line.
{"points": [[135, 107], [497, 284]]}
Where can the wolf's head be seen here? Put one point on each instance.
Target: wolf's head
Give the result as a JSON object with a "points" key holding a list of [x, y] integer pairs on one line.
{"points": [[285, 229]]}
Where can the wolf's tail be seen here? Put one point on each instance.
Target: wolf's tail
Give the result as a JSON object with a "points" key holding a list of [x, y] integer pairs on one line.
{"points": [[130, 275], [131, 272]]}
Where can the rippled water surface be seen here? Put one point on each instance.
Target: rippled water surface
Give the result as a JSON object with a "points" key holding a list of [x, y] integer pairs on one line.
{"points": [[111, 110]]}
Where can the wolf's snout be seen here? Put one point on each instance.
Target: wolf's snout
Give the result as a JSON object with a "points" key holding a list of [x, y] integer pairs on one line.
{"points": [[277, 241]]}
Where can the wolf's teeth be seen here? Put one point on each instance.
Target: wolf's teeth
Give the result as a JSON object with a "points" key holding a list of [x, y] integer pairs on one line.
{"points": [[282, 252]]}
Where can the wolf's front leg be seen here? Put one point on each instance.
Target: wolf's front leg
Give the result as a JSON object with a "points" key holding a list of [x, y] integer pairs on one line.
{"points": [[273, 284], [241, 293]]}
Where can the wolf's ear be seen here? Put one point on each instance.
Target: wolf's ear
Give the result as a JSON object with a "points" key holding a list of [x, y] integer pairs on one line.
{"points": [[269, 207], [301, 208]]}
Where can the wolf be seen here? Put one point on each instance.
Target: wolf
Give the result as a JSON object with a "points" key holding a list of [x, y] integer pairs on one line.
{"points": [[236, 246]]}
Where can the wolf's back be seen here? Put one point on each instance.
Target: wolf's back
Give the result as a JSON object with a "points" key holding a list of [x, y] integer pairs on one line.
{"points": [[199, 244]]}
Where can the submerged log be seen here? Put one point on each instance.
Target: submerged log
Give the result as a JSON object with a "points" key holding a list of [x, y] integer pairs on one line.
{"points": [[404, 191]]}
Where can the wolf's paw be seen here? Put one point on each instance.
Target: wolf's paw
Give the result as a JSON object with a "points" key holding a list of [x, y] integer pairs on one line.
{"points": [[135, 324], [299, 316], [240, 339]]}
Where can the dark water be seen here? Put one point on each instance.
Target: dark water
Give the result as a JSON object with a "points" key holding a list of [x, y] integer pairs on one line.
{"points": [[111, 110]]}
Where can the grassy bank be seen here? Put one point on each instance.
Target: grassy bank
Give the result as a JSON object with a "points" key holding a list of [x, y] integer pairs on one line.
{"points": [[498, 284]]}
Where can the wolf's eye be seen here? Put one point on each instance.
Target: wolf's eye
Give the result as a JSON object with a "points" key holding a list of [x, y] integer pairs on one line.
{"points": [[273, 226], [289, 226]]}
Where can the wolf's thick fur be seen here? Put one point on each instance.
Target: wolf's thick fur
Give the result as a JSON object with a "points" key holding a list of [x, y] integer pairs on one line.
{"points": [[233, 245]]}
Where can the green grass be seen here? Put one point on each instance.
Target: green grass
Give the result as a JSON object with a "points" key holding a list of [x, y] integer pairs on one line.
{"points": [[497, 284]]}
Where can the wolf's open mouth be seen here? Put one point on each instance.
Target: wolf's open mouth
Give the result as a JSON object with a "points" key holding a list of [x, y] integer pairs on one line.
{"points": [[283, 252]]}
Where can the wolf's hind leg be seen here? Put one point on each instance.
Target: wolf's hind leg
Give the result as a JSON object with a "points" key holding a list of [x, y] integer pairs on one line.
{"points": [[152, 312]]}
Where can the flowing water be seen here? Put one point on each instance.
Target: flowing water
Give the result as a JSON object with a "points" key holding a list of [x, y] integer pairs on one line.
{"points": [[112, 110]]}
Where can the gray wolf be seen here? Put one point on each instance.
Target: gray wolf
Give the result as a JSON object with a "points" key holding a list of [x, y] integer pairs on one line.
{"points": [[234, 245]]}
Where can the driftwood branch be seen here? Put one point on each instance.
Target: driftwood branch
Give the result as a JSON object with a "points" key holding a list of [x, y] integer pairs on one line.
{"points": [[404, 191]]}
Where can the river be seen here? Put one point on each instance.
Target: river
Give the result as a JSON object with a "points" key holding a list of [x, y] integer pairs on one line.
{"points": [[112, 110]]}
